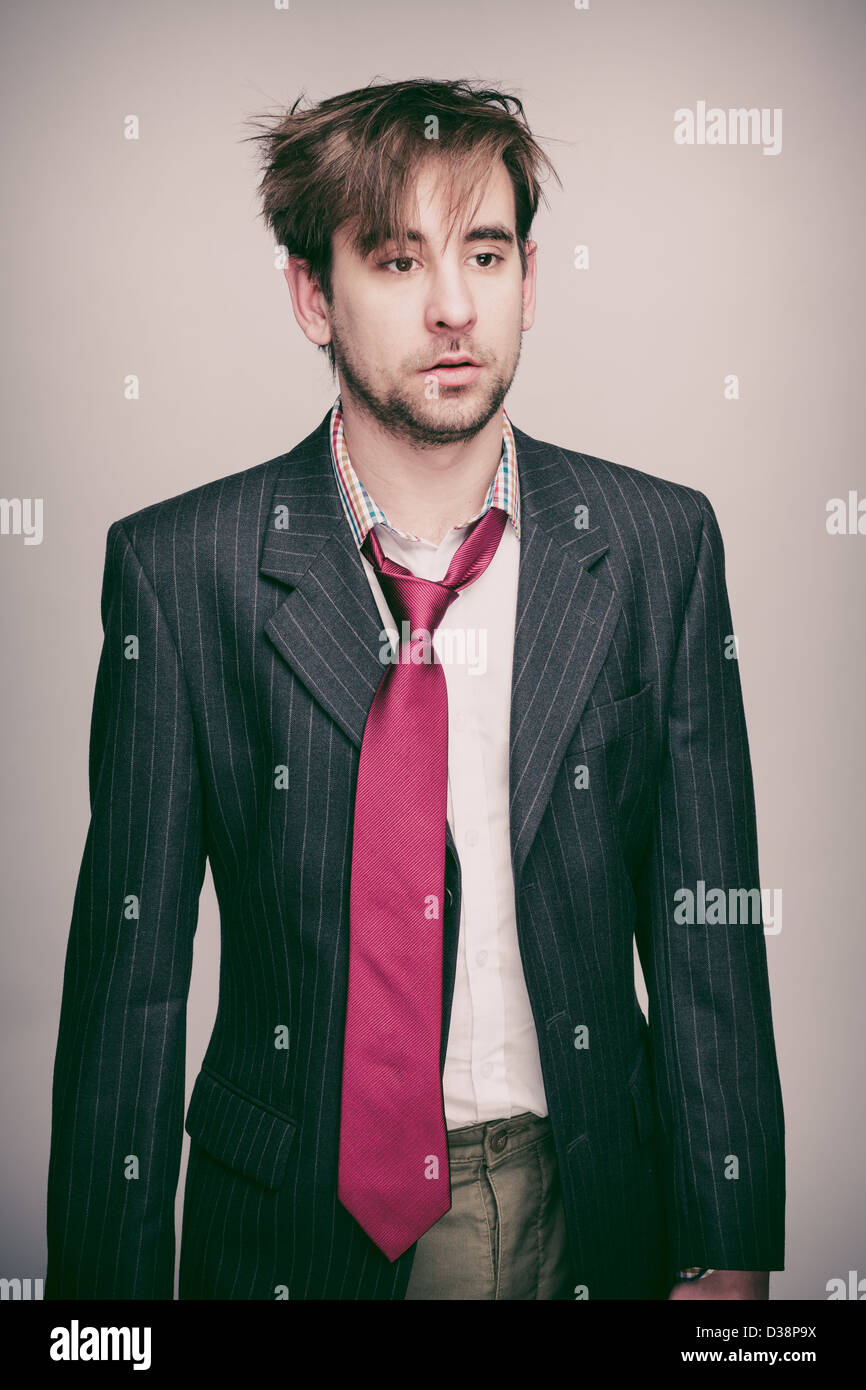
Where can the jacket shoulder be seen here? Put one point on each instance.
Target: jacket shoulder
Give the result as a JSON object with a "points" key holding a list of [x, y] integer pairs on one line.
{"points": [[225, 511], [181, 514], [626, 500]]}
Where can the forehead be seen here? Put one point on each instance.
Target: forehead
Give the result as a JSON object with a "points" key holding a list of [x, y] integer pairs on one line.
{"points": [[441, 205], [432, 192]]}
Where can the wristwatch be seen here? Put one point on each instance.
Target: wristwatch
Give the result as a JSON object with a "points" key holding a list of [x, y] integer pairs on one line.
{"points": [[694, 1272]]}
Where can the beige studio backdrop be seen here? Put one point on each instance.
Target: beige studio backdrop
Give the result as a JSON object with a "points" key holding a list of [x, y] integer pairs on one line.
{"points": [[699, 317]]}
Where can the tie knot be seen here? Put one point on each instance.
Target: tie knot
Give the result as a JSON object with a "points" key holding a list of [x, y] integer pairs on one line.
{"points": [[423, 602]]}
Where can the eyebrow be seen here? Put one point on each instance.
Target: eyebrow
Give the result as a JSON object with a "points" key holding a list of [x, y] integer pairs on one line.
{"points": [[493, 231]]}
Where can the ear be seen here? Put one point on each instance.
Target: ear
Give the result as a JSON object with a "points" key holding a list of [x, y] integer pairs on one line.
{"points": [[308, 302], [529, 285]]}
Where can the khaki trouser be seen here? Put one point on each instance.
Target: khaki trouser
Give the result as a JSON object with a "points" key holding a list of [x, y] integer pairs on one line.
{"points": [[504, 1235]]}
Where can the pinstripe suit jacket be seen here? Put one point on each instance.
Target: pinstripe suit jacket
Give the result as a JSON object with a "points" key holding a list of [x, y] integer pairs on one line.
{"points": [[240, 660]]}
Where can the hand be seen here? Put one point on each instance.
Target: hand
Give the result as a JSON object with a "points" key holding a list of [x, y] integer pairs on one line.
{"points": [[725, 1283]]}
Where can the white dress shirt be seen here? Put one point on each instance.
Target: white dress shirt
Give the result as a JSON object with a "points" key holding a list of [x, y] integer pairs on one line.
{"points": [[492, 1066]]}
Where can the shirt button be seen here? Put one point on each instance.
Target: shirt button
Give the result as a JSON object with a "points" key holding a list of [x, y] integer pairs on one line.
{"points": [[460, 723], [471, 837], [481, 958], [487, 1069]]}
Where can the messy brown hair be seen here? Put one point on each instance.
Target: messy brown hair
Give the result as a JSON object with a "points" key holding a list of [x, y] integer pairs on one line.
{"points": [[350, 160]]}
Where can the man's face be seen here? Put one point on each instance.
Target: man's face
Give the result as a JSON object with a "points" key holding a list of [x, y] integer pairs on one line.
{"points": [[398, 312]]}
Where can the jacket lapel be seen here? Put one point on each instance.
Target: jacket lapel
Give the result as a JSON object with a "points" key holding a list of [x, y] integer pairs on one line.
{"points": [[566, 617], [327, 627]]}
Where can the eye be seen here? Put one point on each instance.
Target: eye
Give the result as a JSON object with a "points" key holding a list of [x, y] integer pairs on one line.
{"points": [[401, 263], [488, 255]]}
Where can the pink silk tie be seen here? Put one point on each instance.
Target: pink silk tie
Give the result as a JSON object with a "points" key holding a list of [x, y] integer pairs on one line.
{"points": [[394, 1175]]}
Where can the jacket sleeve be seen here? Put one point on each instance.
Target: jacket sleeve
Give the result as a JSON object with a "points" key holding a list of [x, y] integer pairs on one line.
{"points": [[118, 1094], [714, 1059]]}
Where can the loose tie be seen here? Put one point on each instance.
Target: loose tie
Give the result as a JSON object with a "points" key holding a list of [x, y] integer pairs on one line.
{"points": [[394, 1175]]}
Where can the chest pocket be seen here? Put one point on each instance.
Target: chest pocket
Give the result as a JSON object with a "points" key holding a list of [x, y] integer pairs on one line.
{"points": [[608, 766], [603, 724]]}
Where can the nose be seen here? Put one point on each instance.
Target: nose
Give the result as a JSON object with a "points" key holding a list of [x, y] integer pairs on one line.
{"points": [[450, 305]]}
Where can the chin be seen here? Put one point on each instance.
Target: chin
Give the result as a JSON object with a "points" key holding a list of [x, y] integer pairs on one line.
{"points": [[473, 397], [458, 408]]}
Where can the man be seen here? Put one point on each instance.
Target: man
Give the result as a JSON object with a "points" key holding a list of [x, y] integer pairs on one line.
{"points": [[429, 1075]]}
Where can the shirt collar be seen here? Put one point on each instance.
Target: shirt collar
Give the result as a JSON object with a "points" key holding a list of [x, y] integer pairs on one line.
{"points": [[363, 513]]}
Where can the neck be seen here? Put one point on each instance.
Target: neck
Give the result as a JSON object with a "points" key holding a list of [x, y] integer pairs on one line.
{"points": [[423, 489]]}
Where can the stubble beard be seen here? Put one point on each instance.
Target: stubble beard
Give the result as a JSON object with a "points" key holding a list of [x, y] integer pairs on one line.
{"points": [[421, 422]]}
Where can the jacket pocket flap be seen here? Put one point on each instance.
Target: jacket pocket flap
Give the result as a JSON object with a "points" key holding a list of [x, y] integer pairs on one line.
{"points": [[239, 1132], [601, 723]]}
